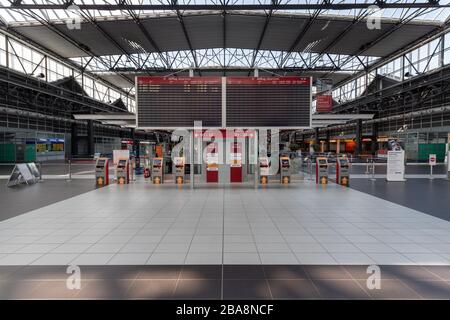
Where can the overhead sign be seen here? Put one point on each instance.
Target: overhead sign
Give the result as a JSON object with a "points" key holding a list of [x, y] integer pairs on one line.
{"points": [[223, 102], [268, 102], [396, 166], [324, 103], [176, 102], [324, 98]]}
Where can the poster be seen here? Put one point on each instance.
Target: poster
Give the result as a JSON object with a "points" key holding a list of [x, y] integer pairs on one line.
{"points": [[396, 166]]}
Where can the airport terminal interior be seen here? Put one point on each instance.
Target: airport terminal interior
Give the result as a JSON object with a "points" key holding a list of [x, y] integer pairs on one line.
{"points": [[224, 149]]}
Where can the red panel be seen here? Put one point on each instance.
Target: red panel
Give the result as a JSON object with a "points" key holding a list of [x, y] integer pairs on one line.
{"points": [[212, 176], [107, 172], [236, 174], [269, 80], [179, 80]]}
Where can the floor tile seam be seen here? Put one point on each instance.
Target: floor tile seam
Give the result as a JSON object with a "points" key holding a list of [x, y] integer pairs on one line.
{"points": [[170, 226]]}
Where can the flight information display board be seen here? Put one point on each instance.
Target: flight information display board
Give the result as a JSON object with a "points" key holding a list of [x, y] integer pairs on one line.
{"points": [[281, 102], [176, 102]]}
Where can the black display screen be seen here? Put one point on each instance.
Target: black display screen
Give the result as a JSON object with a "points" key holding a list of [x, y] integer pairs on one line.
{"points": [[176, 102], [100, 163], [282, 102]]}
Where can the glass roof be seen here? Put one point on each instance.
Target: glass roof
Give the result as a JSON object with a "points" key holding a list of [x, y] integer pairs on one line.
{"points": [[15, 15]]}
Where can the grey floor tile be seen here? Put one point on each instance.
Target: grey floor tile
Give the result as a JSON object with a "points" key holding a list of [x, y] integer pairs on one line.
{"points": [[293, 289]]}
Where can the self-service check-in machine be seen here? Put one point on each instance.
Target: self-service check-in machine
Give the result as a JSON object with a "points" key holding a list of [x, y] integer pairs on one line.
{"points": [[285, 170], [179, 170], [123, 171], [264, 167], [212, 163], [321, 170], [342, 171], [236, 162], [102, 172], [157, 170]]}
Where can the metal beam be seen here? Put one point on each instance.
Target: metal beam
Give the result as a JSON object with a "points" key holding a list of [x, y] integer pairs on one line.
{"points": [[339, 37], [67, 38], [105, 34], [300, 36], [186, 35], [149, 38], [383, 36], [229, 7], [263, 33]]}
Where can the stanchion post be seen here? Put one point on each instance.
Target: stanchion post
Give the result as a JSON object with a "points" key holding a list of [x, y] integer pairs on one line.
{"points": [[373, 170], [192, 164], [431, 172], [70, 170], [40, 171]]}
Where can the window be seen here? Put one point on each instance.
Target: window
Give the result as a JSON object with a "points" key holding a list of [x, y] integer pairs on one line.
{"points": [[2, 50]]}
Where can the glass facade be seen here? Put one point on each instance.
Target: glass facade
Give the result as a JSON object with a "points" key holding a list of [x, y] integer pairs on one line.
{"points": [[428, 57], [21, 57]]}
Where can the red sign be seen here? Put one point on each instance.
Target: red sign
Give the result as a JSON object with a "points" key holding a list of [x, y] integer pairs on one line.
{"points": [[269, 80], [432, 160], [324, 103], [225, 134], [178, 80]]}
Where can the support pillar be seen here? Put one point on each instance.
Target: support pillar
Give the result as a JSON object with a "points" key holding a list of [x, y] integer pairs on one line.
{"points": [[316, 136], [327, 142], [374, 146], [358, 140], [90, 138], [73, 140]]}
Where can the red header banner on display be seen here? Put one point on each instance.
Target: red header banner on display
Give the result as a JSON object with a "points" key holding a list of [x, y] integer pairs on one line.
{"points": [[178, 80], [269, 80], [227, 134]]}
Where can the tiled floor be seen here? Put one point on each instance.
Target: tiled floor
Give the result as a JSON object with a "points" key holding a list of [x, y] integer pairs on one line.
{"points": [[225, 282], [141, 224]]}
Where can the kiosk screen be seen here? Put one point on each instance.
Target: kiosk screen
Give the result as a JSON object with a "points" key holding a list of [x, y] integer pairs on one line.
{"points": [[100, 163], [122, 164], [322, 162], [156, 163]]}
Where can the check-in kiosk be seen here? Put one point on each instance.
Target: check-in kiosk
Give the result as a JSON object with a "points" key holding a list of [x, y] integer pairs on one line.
{"points": [[179, 170], [102, 172], [264, 166], [321, 170], [342, 171], [212, 163], [236, 162], [285, 170], [157, 170], [123, 171]]}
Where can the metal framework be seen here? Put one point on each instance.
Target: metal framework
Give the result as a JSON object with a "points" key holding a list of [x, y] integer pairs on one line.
{"points": [[225, 58], [226, 5]]}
